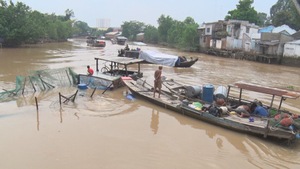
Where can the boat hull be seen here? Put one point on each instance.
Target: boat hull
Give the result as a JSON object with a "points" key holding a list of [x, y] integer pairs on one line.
{"points": [[259, 126]]}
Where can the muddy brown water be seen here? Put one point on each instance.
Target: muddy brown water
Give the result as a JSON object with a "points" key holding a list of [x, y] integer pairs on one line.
{"points": [[110, 131]]}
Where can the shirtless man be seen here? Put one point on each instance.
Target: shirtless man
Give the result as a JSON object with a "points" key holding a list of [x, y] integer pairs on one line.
{"points": [[157, 81]]}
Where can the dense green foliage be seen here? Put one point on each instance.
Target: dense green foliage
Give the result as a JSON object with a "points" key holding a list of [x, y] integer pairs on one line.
{"points": [[131, 29], [174, 33], [245, 11], [19, 25], [151, 34], [285, 12]]}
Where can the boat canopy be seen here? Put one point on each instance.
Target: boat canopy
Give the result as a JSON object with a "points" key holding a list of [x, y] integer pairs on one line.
{"points": [[157, 57], [268, 90]]}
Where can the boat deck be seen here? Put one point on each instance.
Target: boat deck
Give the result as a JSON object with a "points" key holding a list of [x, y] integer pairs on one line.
{"points": [[258, 122]]}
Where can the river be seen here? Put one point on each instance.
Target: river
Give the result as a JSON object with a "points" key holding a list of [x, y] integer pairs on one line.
{"points": [[109, 131]]}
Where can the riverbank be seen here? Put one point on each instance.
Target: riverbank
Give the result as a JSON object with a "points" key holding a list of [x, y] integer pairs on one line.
{"points": [[268, 59]]}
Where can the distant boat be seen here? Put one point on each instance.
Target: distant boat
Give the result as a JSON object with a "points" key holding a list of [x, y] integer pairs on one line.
{"points": [[121, 40], [155, 57], [95, 42]]}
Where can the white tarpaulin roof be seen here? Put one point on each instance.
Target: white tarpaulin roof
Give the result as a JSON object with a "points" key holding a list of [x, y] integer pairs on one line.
{"points": [[157, 57]]}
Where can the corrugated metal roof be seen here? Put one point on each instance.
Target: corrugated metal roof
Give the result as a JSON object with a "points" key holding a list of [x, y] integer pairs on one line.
{"points": [[282, 28], [294, 42]]}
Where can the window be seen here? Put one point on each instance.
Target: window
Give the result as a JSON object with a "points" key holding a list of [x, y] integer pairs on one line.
{"points": [[247, 30], [207, 30]]}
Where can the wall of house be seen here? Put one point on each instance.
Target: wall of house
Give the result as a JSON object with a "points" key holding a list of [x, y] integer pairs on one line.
{"points": [[266, 36], [219, 44], [291, 50], [208, 29], [232, 43]]}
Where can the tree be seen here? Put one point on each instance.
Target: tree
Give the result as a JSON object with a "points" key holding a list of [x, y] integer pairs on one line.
{"points": [[244, 11], [151, 34], [132, 28], [19, 25], [165, 23], [297, 5], [285, 12], [69, 13], [81, 28]]}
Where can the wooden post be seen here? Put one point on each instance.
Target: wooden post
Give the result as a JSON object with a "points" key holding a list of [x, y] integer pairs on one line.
{"points": [[97, 64], [36, 104], [24, 85], [68, 77], [93, 91], [74, 96], [59, 99], [32, 84], [107, 88]]}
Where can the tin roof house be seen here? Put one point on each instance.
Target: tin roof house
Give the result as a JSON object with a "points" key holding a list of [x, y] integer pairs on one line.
{"points": [[228, 35], [241, 35]]}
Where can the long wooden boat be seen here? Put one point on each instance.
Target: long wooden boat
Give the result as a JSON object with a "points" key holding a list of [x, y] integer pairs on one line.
{"points": [[267, 127], [121, 40], [94, 42], [143, 89], [155, 57]]}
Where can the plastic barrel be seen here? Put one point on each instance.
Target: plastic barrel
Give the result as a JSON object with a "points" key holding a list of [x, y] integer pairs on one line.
{"points": [[208, 93], [193, 91], [221, 92]]}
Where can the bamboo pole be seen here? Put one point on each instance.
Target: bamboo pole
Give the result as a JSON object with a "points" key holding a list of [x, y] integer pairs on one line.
{"points": [[93, 91], [24, 85], [32, 84], [36, 104], [59, 99], [68, 77]]}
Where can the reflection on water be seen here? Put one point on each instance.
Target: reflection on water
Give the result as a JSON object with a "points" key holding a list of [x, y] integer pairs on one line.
{"points": [[154, 121], [114, 132]]}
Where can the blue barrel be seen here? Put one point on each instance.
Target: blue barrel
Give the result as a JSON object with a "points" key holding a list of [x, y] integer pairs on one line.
{"points": [[208, 93]]}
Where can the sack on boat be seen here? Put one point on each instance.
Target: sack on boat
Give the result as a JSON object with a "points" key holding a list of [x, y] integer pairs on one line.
{"points": [[281, 116], [286, 122]]}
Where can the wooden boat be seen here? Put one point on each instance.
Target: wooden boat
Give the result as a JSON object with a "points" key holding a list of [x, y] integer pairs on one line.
{"points": [[155, 57], [121, 40], [267, 127], [141, 88], [94, 42], [110, 75]]}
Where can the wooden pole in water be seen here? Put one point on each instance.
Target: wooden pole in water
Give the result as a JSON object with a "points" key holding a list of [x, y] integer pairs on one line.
{"points": [[32, 84], [24, 85], [59, 99], [37, 117], [74, 96], [107, 88], [68, 77], [36, 104], [93, 91]]}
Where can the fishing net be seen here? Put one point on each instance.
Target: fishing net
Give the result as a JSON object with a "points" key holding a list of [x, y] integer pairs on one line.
{"points": [[40, 80]]}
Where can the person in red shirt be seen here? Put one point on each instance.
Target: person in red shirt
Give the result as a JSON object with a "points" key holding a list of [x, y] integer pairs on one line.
{"points": [[90, 70]]}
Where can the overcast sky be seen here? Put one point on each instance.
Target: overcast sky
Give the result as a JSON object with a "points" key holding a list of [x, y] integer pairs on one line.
{"points": [[146, 11]]}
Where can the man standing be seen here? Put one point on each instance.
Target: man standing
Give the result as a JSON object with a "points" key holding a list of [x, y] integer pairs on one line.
{"points": [[90, 71], [157, 81]]}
